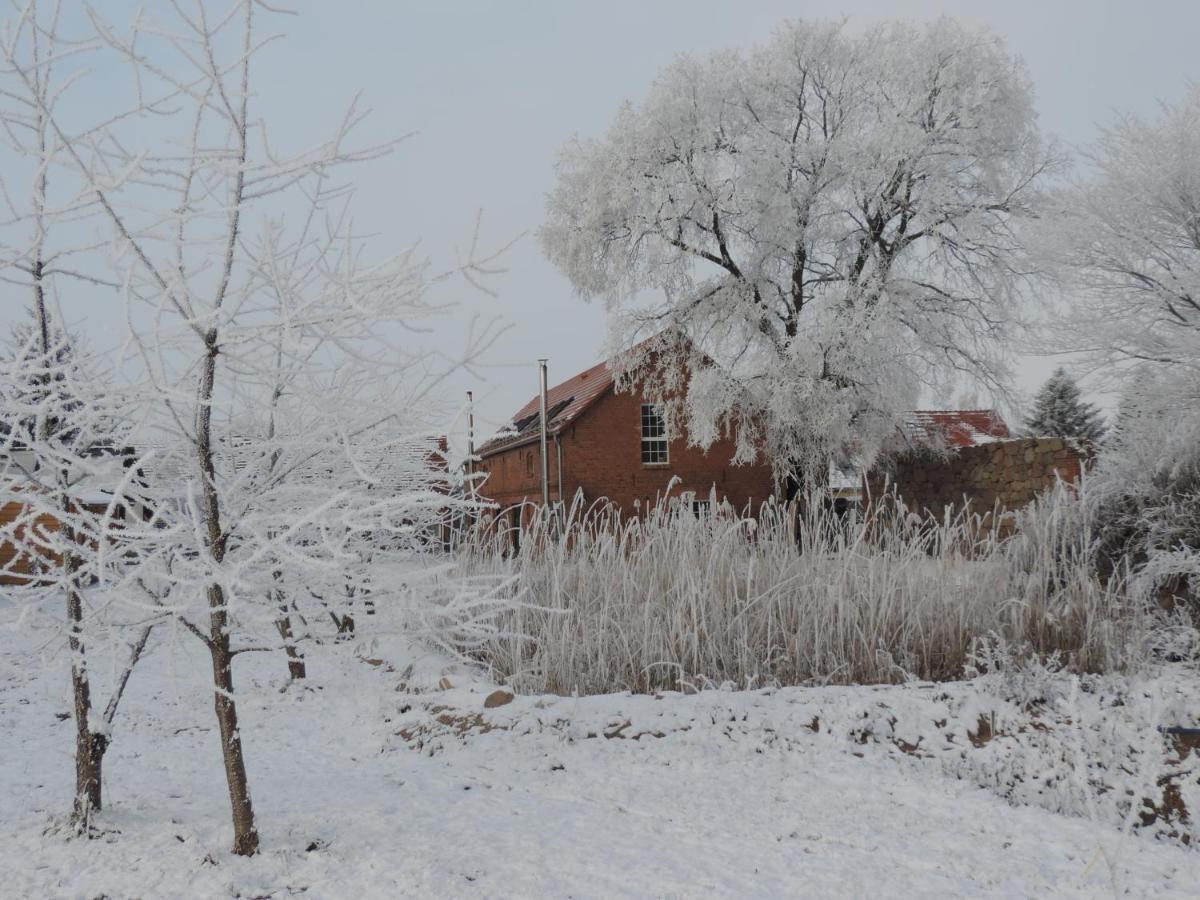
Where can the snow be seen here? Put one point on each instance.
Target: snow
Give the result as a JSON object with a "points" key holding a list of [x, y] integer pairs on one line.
{"points": [[381, 779]]}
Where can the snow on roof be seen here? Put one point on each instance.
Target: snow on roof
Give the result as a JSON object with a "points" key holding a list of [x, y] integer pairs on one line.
{"points": [[958, 427]]}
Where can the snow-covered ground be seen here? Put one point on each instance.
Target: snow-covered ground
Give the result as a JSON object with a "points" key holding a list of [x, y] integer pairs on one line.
{"points": [[379, 780]]}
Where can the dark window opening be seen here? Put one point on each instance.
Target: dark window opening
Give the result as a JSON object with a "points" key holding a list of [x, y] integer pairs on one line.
{"points": [[553, 412]]}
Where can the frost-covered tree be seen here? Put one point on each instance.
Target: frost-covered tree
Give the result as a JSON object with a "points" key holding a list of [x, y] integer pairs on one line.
{"points": [[284, 424], [62, 466], [832, 221], [1145, 489], [47, 375], [1127, 242], [1059, 410], [61, 424]]}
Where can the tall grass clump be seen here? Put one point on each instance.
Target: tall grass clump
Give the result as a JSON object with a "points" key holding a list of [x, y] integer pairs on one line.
{"points": [[796, 595]]}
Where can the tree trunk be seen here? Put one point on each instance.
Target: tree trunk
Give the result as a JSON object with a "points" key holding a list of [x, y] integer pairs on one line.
{"points": [[89, 745], [297, 668], [245, 835], [296, 665]]}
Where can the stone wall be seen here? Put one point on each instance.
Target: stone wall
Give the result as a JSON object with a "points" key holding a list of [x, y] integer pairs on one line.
{"points": [[1010, 473]]}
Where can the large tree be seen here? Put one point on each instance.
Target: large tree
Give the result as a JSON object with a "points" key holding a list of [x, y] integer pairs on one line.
{"points": [[1127, 239], [1127, 242], [830, 219]]}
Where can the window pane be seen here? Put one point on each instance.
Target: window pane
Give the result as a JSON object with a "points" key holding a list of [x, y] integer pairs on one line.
{"points": [[654, 435]]}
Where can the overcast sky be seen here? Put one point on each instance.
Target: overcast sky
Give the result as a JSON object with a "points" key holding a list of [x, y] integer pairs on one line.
{"points": [[494, 88]]}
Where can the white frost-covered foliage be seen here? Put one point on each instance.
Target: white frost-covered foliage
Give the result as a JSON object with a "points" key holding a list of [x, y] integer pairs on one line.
{"points": [[1145, 491], [1059, 410], [62, 457], [61, 422], [46, 391], [672, 600], [296, 459], [1128, 245], [287, 457], [831, 219]]}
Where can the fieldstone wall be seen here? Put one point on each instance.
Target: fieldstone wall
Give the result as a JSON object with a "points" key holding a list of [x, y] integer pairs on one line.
{"points": [[1011, 473]]}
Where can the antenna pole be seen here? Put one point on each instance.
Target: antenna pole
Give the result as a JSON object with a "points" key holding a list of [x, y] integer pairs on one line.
{"points": [[470, 432], [542, 440]]}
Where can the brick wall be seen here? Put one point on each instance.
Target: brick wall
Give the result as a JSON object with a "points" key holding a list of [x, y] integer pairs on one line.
{"points": [[515, 475], [1010, 473], [15, 563], [601, 454]]}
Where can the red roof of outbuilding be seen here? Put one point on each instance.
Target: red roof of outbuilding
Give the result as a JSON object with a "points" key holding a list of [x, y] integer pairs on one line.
{"points": [[959, 427]]}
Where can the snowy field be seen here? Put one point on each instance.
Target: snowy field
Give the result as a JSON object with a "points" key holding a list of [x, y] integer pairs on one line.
{"points": [[381, 780]]}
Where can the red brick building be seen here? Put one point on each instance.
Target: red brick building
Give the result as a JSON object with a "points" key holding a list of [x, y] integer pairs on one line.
{"points": [[610, 446], [613, 446]]}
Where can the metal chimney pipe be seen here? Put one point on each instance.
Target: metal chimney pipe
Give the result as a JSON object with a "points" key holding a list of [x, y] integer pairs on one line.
{"points": [[542, 439], [470, 431], [470, 466]]}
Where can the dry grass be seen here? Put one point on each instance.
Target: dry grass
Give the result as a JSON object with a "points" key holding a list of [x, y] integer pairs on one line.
{"points": [[674, 601]]}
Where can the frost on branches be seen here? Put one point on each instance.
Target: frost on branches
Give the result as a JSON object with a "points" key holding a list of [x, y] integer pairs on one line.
{"points": [[1127, 237], [1127, 241], [62, 470], [288, 464], [1059, 410], [1145, 489], [831, 219], [61, 423]]}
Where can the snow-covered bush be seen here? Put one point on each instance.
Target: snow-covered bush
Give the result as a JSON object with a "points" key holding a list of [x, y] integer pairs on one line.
{"points": [[1144, 494], [673, 600]]}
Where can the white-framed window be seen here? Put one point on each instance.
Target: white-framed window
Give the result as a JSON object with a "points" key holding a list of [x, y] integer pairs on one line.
{"points": [[654, 436]]}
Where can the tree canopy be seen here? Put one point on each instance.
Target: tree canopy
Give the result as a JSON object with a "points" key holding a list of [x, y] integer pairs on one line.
{"points": [[831, 219]]}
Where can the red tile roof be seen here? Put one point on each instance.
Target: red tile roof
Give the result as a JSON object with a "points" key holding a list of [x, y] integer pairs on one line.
{"points": [[959, 427], [565, 403]]}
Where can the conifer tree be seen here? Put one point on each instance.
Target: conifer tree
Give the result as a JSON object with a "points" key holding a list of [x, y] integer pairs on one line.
{"points": [[1059, 410], [45, 383]]}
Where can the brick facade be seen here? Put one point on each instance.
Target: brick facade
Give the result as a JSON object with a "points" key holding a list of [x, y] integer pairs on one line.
{"points": [[1010, 473], [595, 448], [601, 456]]}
